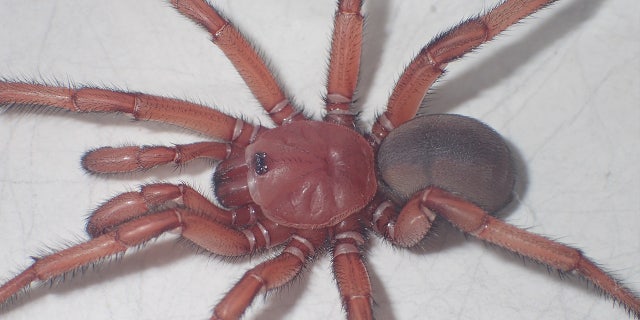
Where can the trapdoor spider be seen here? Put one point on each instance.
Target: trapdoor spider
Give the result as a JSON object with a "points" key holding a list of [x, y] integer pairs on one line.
{"points": [[414, 287]]}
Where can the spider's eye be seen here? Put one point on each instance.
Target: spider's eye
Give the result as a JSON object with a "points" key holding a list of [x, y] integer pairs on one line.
{"points": [[260, 163]]}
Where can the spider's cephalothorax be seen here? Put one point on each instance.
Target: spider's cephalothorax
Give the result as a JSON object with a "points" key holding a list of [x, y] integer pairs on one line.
{"points": [[306, 175], [306, 185]]}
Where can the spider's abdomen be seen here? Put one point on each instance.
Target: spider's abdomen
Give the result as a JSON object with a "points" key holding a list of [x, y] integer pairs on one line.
{"points": [[452, 152], [310, 174]]}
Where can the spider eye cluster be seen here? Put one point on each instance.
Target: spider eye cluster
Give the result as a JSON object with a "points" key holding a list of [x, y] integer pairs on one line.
{"points": [[260, 163]]}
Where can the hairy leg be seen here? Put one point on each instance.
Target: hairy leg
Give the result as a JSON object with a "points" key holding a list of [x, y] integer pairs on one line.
{"points": [[244, 57], [344, 63], [429, 64], [270, 274], [137, 158], [137, 105], [478, 223]]}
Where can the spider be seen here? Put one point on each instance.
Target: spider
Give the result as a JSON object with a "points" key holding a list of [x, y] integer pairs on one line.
{"points": [[382, 276]]}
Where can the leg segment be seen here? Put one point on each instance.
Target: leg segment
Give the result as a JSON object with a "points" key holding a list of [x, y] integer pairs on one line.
{"points": [[423, 71], [140, 106], [131, 205], [405, 228], [344, 64], [244, 57], [478, 223], [260, 232], [137, 158], [269, 275], [210, 235], [350, 272]]}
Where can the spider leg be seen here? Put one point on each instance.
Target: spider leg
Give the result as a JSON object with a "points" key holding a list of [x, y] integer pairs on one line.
{"points": [[478, 223], [140, 106], [137, 158], [207, 234], [131, 205], [261, 232], [243, 56], [405, 228], [270, 274], [344, 63], [429, 64], [350, 271]]}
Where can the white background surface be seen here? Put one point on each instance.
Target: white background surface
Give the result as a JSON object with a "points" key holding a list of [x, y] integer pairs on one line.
{"points": [[562, 87]]}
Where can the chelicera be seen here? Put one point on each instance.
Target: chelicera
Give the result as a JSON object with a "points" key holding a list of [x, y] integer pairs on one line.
{"points": [[263, 186]]}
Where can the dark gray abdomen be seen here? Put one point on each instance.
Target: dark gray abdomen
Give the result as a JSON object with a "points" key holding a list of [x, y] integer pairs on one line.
{"points": [[453, 152]]}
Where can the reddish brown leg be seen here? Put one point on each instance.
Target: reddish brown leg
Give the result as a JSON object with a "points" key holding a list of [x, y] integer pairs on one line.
{"points": [[210, 235], [137, 158], [269, 275], [139, 106], [131, 205], [474, 221], [405, 228], [425, 68], [245, 59], [260, 232], [350, 271], [344, 64]]}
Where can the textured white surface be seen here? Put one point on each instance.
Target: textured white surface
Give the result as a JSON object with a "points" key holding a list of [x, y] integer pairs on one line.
{"points": [[562, 87]]}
